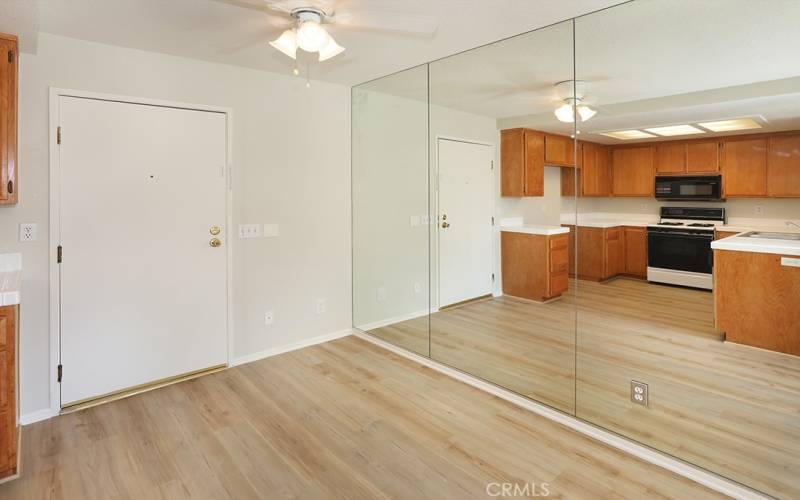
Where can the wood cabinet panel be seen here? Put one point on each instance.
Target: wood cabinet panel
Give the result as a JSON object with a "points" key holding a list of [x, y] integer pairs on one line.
{"points": [[718, 235], [670, 158], [632, 171], [8, 120], [534, 266], [783, 166], [757, 300], [614, 252], [591, 253], [512, 162], [635, 239], [8, 392], [745, 167], [702, 157], [521, 162], [595, 171], [559, 150]]}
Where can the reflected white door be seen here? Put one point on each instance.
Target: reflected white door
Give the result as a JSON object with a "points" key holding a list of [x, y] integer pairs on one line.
{"points": [[465, 220], [143, 292]]}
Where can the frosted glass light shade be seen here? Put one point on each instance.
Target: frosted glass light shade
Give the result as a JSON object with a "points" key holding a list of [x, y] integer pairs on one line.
{"points": [[564, 113], [312, 37], [286, 43], [331, 49], [586, 113]]}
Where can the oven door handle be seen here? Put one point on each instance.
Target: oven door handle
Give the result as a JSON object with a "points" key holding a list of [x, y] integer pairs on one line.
{"points": [[709, 237]]}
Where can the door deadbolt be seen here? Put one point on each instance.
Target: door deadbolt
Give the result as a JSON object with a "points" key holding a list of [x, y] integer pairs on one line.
{"points": [[214, 230]]}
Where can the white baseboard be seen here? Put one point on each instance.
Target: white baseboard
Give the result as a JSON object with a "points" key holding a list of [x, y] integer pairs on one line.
{"points": [[398, 319], [668, 462], [249, 358], [36, 416]]}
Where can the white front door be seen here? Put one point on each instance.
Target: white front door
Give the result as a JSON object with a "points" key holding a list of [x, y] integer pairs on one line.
{"points": [[143, 292], [465, 220]]}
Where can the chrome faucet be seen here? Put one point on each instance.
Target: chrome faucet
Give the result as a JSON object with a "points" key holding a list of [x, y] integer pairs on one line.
{"points": [[790, 223]]}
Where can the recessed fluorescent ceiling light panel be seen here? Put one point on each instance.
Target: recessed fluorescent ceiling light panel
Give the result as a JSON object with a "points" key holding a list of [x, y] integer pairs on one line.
{"points": [[675, 130], [728, 125], [627, 134]]}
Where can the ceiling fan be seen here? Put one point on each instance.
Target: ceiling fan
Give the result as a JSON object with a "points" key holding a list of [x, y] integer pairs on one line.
{"points": [[304, 24]]}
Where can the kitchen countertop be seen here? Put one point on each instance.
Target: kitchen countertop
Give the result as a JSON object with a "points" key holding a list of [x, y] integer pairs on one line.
{"points": [[739, 243], [532, 229], [10, 278]]}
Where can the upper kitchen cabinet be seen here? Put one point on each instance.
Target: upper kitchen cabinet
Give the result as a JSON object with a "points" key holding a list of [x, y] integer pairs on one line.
{"points": [[670, 158], [745, 167], [522, 162], [595, 163], [559, 150], [8, 120], [632, 172], [783, 166], [702, 157]]}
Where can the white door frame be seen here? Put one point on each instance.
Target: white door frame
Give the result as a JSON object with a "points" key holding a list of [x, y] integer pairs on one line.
{"points": [[55, 217], [435, 221]]}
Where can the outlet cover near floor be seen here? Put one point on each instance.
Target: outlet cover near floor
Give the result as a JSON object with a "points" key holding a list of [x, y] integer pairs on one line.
{"points": [[269, 318], [639, 393]]}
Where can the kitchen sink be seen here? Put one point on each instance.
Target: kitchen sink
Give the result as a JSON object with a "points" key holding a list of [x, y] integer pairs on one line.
{"points": [[772, 236]]}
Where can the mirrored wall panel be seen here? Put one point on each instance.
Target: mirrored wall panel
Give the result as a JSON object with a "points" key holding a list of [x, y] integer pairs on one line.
{"points": [[391, 215], [696, 137], [504, 307]]}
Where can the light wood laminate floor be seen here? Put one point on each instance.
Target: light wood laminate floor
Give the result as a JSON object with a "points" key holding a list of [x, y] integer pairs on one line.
{"points": [[729, 408], [344, 419]]}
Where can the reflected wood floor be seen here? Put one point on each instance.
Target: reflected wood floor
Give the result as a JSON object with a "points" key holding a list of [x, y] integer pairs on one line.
{"points": [[729, 408], [344, 419]]}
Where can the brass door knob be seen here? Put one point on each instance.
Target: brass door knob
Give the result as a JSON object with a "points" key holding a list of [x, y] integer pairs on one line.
{"points": [[445, 225], [215, 242]]}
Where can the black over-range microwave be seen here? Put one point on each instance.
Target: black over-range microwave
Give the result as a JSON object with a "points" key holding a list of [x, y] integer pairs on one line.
{"points": [[698, 188]]}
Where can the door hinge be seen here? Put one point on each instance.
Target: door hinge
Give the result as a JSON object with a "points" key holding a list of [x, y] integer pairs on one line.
{"points": [[492, 277], [58, 135], [493, 221], [59, 254], [10, 56], [60, 372], [492, 162]]}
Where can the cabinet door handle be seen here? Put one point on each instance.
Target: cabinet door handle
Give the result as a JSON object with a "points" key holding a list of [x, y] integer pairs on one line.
{"points": [[10, 187]]}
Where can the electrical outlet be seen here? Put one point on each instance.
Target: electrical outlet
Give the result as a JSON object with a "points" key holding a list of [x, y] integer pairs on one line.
{"points": [[380, 294], [639, 393], [249, 230], [27, 231], [269, 318], [759, 209], [417, 288], [322, 306]]}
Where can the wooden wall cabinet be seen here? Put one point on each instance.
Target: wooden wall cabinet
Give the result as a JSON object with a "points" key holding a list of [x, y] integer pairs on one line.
{"points": [[521, 162], [745, 167], [534, 266], [635, 242], [8, 120], [559, 150], [783, 166], [702, 157], [670, 158], [593, 172], [632, 172], [8, 391]]}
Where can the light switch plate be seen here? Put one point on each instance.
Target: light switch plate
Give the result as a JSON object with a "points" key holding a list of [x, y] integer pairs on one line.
{"points": [[249, 230], [28, 231]]}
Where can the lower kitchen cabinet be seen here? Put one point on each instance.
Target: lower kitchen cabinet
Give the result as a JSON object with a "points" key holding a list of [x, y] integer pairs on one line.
{"points": [[534, 266], [635, 242], [8, 391]]}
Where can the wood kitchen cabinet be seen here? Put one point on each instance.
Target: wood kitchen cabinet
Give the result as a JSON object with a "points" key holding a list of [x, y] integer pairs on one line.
{"points": [[521, 162], [744, 167], [702, 157], [600, 253], [593, 174], [534, 266], [635, 243], [670, 158], [559, 150], [8, 120], [632, 172], [783, 166], [8, 391]]}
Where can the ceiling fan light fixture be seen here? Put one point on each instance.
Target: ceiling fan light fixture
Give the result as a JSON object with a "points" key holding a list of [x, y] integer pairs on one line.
{"points": [[311, 36], [331, 49], [565, 113], [286, 43], [586, 113]]}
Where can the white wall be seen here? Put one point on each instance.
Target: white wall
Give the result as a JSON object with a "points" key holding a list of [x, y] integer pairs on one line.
{"points": [[291, 164], [775, 208]]}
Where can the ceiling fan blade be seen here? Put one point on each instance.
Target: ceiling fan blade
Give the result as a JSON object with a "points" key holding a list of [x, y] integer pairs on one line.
{"points": [[386, 21]]}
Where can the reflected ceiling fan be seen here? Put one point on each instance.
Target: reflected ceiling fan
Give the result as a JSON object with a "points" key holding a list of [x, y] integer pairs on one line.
{"points": [[304, 24]]}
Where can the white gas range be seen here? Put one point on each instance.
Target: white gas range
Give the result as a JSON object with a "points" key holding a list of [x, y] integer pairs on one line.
{"points": [[679, 246]]}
